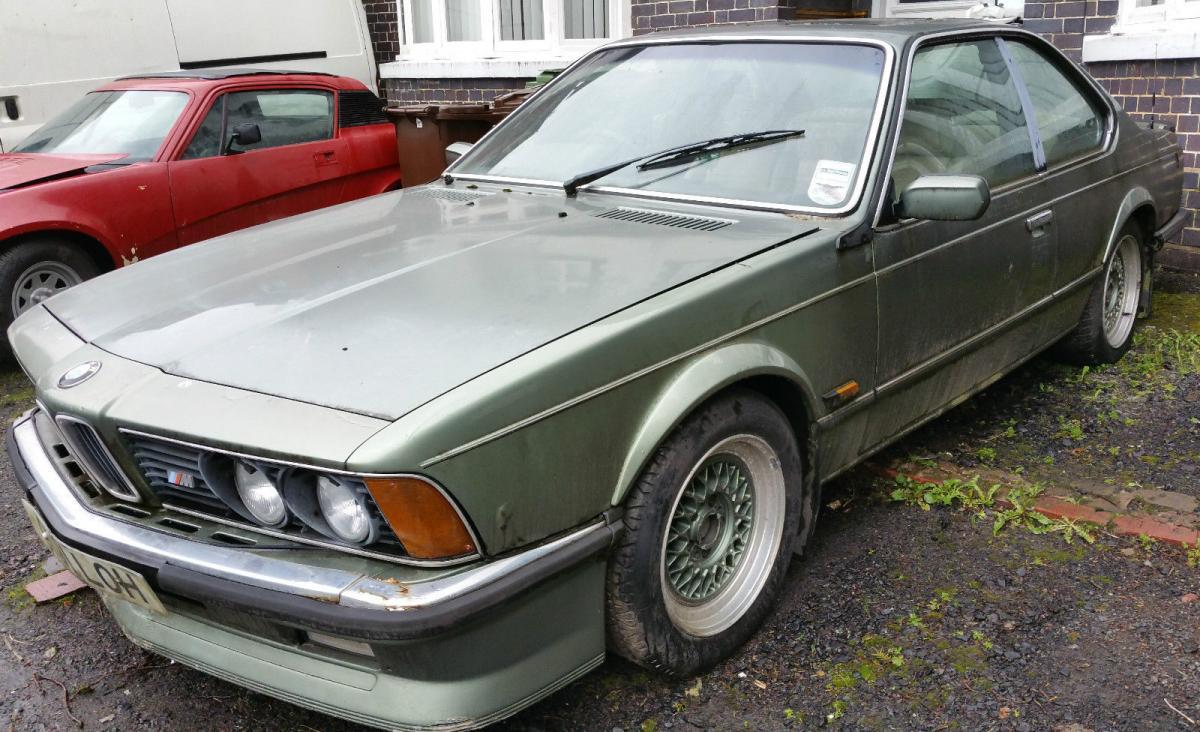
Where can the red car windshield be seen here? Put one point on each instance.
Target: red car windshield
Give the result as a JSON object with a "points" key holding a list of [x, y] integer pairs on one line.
{"points": [[131, 123]]}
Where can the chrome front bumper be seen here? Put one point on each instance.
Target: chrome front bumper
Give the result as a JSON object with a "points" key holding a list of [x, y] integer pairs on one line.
{"points": [[453, 653], [331, 599]]}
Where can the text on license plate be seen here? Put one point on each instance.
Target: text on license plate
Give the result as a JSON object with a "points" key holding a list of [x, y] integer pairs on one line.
{"points": [[104, 576]]}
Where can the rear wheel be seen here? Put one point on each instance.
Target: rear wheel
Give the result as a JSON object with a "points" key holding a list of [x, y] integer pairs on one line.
{"points": [[34, 270], [710, 529], [1105, 330]]}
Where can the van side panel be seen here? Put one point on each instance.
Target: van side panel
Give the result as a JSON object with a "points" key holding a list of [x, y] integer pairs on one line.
{"points": [[52, 53], [298, 35]]}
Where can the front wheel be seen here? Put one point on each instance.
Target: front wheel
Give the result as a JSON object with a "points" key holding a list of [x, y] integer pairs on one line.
{"points": [[1105, 330], [710, 529], [34, 270]]}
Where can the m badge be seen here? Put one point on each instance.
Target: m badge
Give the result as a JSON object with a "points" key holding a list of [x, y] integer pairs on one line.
{"points": [[181, 479]]}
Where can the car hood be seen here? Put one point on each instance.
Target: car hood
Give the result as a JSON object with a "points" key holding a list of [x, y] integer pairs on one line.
{"points": [[381, 305], [22, 169]]}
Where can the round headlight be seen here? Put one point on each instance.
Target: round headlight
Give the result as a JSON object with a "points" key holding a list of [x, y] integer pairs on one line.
{"points": [[259, 495], [344, 510]]}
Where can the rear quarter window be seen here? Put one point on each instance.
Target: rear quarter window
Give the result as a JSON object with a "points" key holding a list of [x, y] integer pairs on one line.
{"points": [[1070, 120]]}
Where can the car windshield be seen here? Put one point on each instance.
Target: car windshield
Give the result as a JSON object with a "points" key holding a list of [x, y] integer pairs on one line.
{"points": [[634, 101], [129, 123]]}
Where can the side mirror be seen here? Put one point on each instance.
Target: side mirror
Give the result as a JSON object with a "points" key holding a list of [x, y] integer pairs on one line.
{"points": [[945, 198], [247, 133], [456, 150]]}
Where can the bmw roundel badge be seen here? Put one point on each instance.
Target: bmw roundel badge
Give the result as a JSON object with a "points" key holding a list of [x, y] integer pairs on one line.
{"points": [[76, 375]]}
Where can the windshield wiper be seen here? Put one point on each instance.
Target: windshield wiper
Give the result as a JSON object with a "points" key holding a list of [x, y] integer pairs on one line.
{"points": [[682, 154]]}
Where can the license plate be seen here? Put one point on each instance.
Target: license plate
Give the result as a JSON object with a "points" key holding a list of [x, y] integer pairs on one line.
{"points": [[108, 578]]}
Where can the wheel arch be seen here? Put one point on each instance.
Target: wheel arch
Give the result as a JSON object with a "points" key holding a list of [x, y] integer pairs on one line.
{"points": [[1137, 206], [756, 366], [93, 247]]}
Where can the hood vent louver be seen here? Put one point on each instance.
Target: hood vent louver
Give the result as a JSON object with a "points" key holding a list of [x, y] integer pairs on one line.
{"points": [[662, 218], [449, 194]]}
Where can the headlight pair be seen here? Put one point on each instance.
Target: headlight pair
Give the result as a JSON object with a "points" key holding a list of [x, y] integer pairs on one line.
{"points": [[343, 505], [347, 509]]}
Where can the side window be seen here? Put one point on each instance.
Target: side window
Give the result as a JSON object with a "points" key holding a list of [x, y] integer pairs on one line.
{"points": [[1070, 121], [962, 116], [207, 141], [283, 116]]}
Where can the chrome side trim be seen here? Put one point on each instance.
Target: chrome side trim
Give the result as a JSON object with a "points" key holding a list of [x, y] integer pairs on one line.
{"points": [[334, 471], [963, 346], [351, 589], [1032, 209], [539, 416], [883, 94]]}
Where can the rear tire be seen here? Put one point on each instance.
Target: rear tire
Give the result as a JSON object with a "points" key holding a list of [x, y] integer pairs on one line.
{"points": [[33, 270], [1105, 330], [710, 529]]}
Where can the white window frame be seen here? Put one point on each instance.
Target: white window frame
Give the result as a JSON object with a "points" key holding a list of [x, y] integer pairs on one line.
{"points": [[553, 46], [1167, 31], [1164, 16]]}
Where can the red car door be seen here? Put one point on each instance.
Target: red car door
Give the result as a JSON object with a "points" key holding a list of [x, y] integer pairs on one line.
{"points": [[222, 182]]}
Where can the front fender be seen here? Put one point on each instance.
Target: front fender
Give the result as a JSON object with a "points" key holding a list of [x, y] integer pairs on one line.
{"points": [[704, 376]]}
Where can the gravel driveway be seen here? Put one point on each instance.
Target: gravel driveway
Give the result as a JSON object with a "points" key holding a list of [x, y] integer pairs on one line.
{"points": [[896, 618]]}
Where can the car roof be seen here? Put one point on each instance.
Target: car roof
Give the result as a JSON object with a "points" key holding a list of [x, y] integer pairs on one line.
{"points": [[894, 31], [206, 78]]}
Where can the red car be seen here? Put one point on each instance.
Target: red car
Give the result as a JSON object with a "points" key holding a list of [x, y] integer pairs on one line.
{"points": [[150, 163]]}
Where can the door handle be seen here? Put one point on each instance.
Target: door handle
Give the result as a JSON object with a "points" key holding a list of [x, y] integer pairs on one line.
{"points": [[1039, 221], [325, 157]]}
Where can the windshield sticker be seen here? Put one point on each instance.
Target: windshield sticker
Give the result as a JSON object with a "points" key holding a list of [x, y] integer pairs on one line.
{"points": [[830, 182]]}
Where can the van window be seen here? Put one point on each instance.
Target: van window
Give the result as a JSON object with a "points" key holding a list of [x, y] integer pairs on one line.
{"points": [[1071, 121], [963, 115]]}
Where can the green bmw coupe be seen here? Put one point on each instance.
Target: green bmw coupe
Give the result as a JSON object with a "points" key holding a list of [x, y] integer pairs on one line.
{"points": [[421, 459]]}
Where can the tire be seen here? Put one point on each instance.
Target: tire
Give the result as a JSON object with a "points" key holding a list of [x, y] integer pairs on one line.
{"points": [[34, 269], [671, 616], [1105, 330]]}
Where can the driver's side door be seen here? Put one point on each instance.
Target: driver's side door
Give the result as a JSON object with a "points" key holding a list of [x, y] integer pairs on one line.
{"points": [[218, 187], [956, 298]]}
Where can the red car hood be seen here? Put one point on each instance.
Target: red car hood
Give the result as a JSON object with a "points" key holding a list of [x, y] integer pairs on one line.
{"points": [[22, 169]]}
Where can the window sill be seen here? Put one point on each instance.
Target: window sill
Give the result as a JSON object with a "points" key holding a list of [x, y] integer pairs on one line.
{"points": [[474, 68], [1144, 43]]}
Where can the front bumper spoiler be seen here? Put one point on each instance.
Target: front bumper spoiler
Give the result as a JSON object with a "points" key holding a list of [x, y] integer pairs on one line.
{"points": [[330, 600]]}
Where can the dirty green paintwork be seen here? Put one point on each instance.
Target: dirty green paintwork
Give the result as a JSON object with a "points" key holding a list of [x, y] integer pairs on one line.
{"points": [[530, 357]]}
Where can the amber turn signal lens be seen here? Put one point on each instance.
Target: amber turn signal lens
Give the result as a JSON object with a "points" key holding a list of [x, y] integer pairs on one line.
{"points": [[424, 520]]}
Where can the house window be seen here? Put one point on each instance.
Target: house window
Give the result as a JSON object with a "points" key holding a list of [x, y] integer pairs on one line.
{"points": [[474, 29], [1158, 11]]}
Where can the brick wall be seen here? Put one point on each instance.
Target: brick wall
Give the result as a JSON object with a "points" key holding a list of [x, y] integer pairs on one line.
{"points": [[1167, 90], [441, 91], [383, 21], [653, 15]]}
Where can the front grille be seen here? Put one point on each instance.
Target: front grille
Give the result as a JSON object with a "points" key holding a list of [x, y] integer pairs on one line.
{"points": [[173, 473], [90, 450], [662, 218]]}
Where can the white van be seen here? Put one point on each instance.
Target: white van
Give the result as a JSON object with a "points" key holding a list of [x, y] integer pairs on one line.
{"points": [[52, 52]]}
